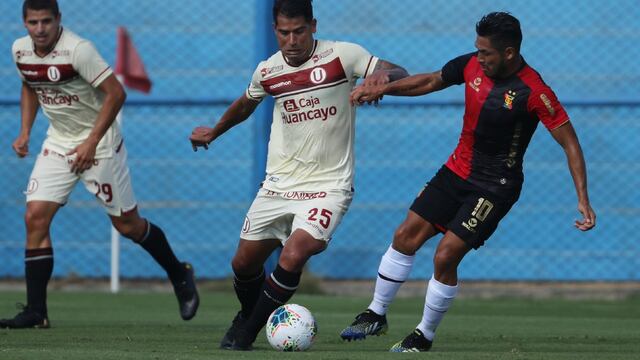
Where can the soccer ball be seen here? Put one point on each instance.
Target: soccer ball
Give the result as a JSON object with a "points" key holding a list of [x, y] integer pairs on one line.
{"points": [[291, 327]]}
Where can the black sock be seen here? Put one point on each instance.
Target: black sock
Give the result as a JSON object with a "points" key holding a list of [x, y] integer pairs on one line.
{"points": [[247, 290], [277, 290], [157, 245], [38, 266]]}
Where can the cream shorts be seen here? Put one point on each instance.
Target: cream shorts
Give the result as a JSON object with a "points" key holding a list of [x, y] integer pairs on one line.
{"points": [[275, 215], [108, 179]]}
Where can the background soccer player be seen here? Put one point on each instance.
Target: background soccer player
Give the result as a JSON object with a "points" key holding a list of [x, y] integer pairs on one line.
{"points": [[309, 182], [504, 101], [64, 74]]}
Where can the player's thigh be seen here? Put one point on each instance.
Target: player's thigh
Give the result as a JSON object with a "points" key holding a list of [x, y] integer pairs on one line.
{"points": [[109, 180], [51, 178], [320, 216], [269, 217], [479, 216]]}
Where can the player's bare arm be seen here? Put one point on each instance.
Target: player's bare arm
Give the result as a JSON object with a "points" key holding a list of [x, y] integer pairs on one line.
{"points": [[384, 73], [415, 85], [28, 109], [113, 100], [238, 112], [565, 135]]}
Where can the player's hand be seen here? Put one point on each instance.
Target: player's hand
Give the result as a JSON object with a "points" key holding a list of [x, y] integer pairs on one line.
{"points": [[21, 146], [377, 79], [588, 217], [201, 137], [85, 156], [366, 94]]}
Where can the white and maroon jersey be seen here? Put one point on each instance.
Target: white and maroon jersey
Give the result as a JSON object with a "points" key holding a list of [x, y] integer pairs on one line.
{"points": [[312, 134], [66, 82]]}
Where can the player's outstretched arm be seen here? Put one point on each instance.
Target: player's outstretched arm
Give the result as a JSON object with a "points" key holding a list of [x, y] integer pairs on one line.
{"points": [[384, 73], [566, 136], [414, 85], [238, 112], [28, 110], [113, 100]]}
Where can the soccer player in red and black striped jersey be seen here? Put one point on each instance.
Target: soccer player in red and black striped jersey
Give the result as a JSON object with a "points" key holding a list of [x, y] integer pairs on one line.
{"points": [[504, 101]]}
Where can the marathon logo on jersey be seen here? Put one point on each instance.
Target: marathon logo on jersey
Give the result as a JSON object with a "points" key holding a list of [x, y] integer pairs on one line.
{"points": [[318, 77], [23, 53], [56, 53], [280, 84], [268, 71], [48, 96], [547, 104], [305, 109], [475, 84], [47, 74], [508, 99], [322, 55]]}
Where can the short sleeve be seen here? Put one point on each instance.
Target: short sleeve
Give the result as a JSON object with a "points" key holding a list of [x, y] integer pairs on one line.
{"points": [[544, 104], [357, 58], [15, 54], [89, 64], [256, 91], [453, 71]]}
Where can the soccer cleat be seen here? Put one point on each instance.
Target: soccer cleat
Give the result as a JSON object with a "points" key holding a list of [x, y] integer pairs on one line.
{"points": [[227, 340], [242, 340], [414, 342], [366, 323], [187, 294], [26, 319]]}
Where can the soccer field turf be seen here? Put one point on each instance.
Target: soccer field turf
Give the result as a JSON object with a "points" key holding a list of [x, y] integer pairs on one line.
{"points": [[88, 325]]}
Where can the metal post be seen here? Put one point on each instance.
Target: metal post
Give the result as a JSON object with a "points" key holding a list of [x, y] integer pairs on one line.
{"points": [[265, 47]]}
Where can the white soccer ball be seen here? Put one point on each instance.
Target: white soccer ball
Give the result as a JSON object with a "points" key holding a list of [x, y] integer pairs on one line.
{"points": [[291, 327]]}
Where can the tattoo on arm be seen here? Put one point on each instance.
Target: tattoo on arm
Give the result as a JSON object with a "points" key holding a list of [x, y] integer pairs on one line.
{"points": [[395, 72]]}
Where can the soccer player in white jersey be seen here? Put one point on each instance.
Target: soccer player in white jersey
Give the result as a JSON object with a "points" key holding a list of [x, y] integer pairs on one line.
{"points": [[308, 185], [65, 75]]}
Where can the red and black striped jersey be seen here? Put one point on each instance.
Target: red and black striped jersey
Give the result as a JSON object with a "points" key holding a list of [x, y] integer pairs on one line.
{"points": [[500, 118]]}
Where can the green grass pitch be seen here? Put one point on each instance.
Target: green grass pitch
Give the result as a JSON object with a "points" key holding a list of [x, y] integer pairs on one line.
{"points": [[143, 325]]}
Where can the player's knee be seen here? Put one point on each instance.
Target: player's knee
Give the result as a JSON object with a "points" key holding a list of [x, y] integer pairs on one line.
{"points": [[36, 221], [445, 259], [293, 259], [405, 240], [242, 265], [132, 230]]}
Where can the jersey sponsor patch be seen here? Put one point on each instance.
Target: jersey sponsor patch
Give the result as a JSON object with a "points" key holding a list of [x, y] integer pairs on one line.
{"points": [[547, 104]]}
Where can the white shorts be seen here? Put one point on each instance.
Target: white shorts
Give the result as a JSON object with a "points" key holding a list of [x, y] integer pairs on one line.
{"points": [[276, 215], [108, 179]]}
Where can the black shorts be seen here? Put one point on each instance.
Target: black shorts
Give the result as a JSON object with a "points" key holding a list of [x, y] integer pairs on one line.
{"points": [[452, 203]]}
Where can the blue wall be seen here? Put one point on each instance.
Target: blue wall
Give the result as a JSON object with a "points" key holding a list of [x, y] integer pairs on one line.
{"points": [[200, 55]]}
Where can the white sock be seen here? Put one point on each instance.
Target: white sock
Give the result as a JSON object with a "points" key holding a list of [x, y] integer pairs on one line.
{"points": [[439, 298], [394, 269]]}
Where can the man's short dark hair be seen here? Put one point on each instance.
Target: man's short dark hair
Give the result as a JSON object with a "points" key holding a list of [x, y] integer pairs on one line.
{"points": [[502, 29], [51, 5], [292, 9]]}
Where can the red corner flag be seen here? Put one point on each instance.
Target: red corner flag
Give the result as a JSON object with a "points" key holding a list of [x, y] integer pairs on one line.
{"points": [[129, 65]]}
